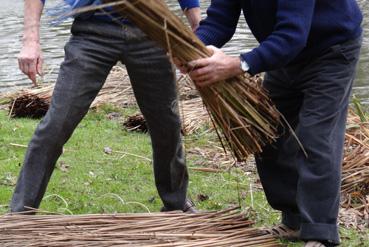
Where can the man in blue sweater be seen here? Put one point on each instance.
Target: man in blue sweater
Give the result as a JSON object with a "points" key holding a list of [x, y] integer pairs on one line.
{"points": [[309, 51], [96, 45]]}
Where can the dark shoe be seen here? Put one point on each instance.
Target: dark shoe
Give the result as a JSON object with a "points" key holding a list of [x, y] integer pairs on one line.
{"points": [[188, 207]]}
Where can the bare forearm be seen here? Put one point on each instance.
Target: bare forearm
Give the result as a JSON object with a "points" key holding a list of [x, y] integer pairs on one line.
{"points": [[30, 57], [194, 17], [32, 16]]}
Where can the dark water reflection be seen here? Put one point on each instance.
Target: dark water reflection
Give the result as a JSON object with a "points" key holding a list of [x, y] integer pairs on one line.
{"points": [[53, 39]]}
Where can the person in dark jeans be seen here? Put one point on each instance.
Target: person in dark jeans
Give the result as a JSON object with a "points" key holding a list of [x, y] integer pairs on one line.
{"points": [[309, 51], [96, 45]]}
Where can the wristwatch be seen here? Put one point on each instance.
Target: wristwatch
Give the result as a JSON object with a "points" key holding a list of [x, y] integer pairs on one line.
{"points": [[244, 65]]}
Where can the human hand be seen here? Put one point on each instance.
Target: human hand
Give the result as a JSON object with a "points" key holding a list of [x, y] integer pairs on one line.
{"points": [[30, 60], [218, 67], [194, 17]]}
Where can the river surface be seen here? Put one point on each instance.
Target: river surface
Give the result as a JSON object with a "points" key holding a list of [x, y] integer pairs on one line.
{"points": [[53, 39]]}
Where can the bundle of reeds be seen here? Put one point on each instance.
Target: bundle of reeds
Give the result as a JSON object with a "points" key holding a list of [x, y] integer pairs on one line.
{"points": [[238, 106], [136, 123], [226, 228], [29, 105]]}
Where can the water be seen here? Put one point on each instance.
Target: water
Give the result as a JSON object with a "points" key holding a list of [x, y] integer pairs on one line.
{"points": [[54, 38]]}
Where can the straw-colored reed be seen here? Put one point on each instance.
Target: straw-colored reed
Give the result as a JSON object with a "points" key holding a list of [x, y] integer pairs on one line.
{"points": [[355, 167], [226, 228]]}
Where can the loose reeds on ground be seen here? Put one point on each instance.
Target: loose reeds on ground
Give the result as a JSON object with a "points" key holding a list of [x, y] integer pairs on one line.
{"points": [[29, 106], [226, 228], [239, 106], [355, 167], [136, 123]]}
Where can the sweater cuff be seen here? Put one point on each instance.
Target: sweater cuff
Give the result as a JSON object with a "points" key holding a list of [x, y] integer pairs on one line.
{"points": [[254, 61], [204, 37], [189, 4]]}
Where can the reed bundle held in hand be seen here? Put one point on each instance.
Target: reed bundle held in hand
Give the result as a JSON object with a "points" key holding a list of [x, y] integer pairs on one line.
{"points": [[238, 106]]}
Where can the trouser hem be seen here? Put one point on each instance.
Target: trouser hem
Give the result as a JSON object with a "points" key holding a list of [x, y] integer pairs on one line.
{"points": [[320, 232]]}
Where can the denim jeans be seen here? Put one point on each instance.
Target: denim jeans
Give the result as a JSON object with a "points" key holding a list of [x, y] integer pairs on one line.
{"points": [[93, 49]]}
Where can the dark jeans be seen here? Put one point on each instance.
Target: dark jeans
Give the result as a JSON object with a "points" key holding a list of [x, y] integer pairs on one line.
{"points": [[313, 96], [91, 52]]}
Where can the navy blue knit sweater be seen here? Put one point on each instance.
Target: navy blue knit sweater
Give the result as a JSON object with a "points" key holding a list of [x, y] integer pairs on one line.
{"points": [[288, 30]]}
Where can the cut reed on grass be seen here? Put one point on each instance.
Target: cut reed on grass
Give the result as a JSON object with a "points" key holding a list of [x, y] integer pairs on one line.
{"points": [[226, 228], [355, 167], [239, 106]]}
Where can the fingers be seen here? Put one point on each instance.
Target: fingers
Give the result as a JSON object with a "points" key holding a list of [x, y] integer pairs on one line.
{"points": [[40, 63], [21, 66], [200, 74], [29, 68], [204, 76], [199, 63], [32, 72], [30, 60]]}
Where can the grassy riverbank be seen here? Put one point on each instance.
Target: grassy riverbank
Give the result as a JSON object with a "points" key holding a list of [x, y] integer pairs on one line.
{"points": [[106, 169]]}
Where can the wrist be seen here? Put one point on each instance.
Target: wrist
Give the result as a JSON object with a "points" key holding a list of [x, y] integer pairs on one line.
{"points": [[236, 66], [30, 39], [193, 13]]}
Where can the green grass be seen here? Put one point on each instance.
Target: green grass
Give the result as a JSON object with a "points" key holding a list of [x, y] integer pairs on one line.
{"points": [[87, 180]]}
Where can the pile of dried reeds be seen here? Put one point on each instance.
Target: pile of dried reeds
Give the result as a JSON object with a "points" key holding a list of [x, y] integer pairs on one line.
{"points": [[238, 106], [29, 105], [355, 168], [226, 228], [136, 123]]}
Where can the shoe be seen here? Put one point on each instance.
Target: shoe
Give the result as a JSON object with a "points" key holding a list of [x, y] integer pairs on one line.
{"points": [[284, 232], [188, 207], [314, 244]]}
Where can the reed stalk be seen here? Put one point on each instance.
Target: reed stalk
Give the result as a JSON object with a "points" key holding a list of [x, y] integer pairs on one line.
{"points": [[225, 228]]}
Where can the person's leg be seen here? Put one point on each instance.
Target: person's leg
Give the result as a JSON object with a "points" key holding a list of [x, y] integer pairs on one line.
{"points": [[276, 166], [326, 85], [153, 82], [82, 74]]}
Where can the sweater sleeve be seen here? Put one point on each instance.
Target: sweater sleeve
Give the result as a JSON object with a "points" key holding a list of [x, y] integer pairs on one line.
{"points": [[189, 4], [220, 23], [289, 38]]}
